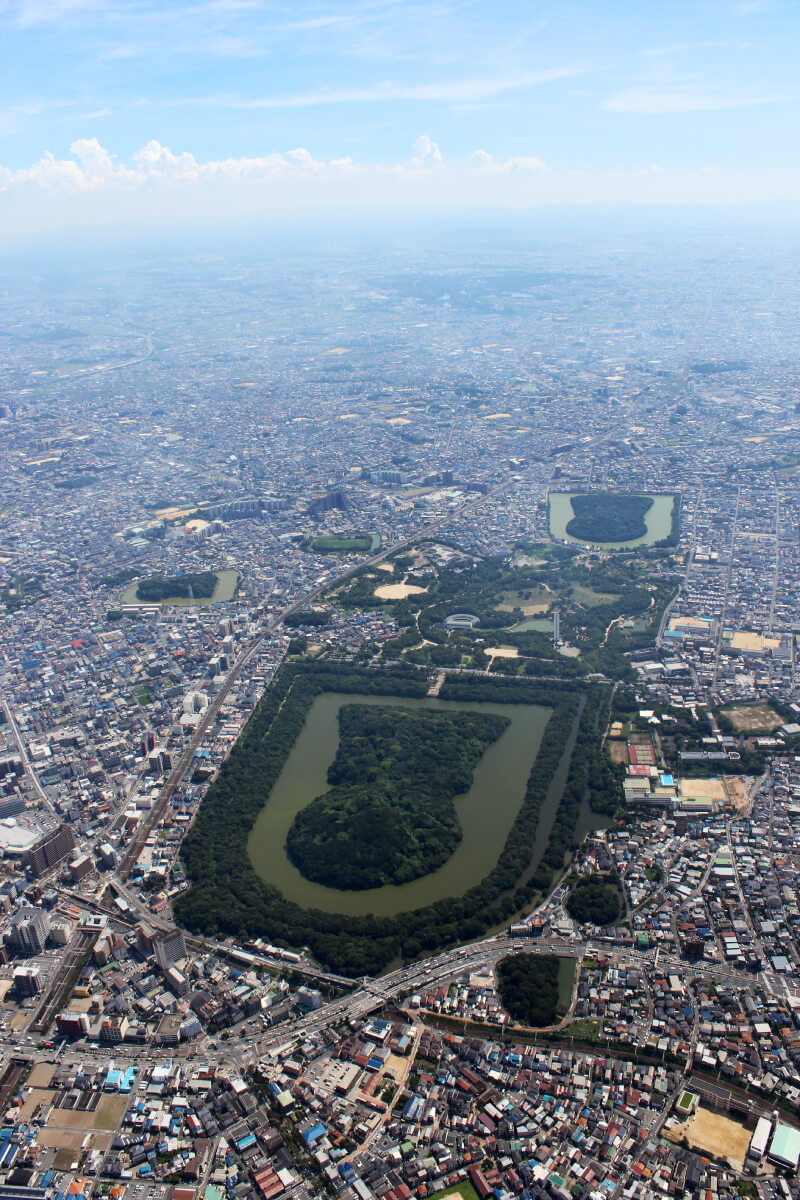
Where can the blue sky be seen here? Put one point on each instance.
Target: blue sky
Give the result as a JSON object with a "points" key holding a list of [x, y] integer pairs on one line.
{"points": [[509, 101]]}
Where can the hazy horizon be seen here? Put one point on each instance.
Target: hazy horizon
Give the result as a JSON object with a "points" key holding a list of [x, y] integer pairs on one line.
{"points": [[118, 116]]}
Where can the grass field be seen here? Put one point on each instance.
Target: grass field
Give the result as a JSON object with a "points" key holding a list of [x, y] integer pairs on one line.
{"points": [[583, 1031], [530, 602], [463, 1190], [566, 982], [336, 543], [591, 599]]}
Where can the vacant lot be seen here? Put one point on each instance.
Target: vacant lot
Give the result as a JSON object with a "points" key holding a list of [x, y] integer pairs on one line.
{"points": [[36, 1097], [753, 718], [41, 1075], [107, 1115]]}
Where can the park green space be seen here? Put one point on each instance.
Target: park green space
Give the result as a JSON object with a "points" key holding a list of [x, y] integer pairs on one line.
{"points": [[590, 593], [656, 518], [20, 590], [591, 599], [533, 625], [224, 590], [522, 816], [529, 601]]}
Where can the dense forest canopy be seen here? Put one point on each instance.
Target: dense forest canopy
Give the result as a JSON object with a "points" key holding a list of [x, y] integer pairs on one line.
{"points": [[594, 900], [529, 988], [389, 816]]}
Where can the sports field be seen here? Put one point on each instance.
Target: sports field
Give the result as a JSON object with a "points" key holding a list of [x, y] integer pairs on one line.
{"points": [[716, 1134]]}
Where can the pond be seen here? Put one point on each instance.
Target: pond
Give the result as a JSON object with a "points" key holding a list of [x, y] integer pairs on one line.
{"points": [[486, 812], [533, 624], [658, 520]]}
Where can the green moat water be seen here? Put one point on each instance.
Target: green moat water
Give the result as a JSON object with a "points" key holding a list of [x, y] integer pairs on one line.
{"points": [[658, 520], [486, 812]]}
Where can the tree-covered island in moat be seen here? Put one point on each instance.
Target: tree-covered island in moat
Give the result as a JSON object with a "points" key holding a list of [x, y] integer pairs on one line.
{"points": [[389, 816], [609, 516], [158, 588]]}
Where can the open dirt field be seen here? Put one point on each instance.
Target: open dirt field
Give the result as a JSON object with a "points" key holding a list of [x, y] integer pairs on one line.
{"points": [[69, 1145], [618, 752], [501, 652], [397, 591], [753, 718], [716, 1135], [397, 1066], [703, 789]]}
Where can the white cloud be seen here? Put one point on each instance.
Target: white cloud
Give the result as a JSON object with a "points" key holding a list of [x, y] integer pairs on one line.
{"points": [[640, 100], [485, 161], [92, 167], [426, 154], [166, 190]]}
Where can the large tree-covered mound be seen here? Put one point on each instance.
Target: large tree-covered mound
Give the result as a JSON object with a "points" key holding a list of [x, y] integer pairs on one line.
{"points": [[528, 985], [594, 899], [609, 517], [389, 816]]}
